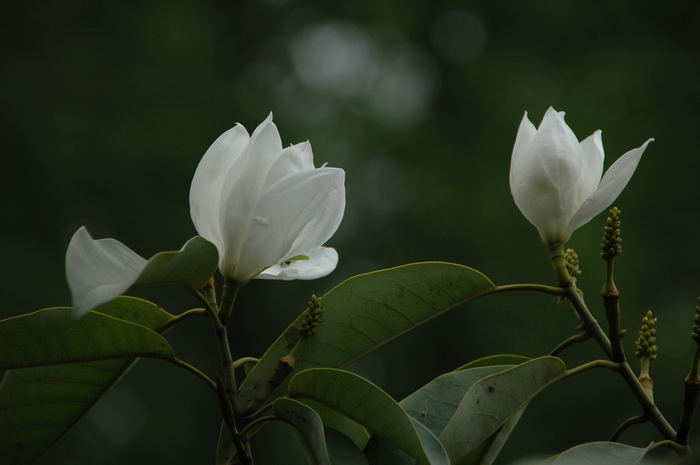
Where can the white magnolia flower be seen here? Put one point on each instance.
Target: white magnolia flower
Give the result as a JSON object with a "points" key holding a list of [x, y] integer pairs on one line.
{"points": [[267, 209], [556, 181]]}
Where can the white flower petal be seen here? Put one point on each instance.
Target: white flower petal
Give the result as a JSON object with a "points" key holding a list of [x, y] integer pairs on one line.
{"points": [[295, 158], [301, 212], [612, 184], [208, 181], [322, 261], [593, 156], [242, 189], [99, 270], [521, 149]]}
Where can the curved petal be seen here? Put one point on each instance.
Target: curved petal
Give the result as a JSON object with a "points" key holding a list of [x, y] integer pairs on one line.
{"points": [[293, 159], [322, 261], [242, 189], [521, 150], [99, 270], [593, 156], [208, 182], [612, 184], [296, 215]]}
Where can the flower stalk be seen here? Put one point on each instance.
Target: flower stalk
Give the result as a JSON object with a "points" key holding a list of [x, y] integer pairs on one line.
{"points": [[611, 248]]}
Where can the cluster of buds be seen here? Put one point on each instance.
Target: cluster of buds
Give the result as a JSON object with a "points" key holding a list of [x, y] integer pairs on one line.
{"points": [[572, 263], [311, 318], [612, 242], [646, 341]]}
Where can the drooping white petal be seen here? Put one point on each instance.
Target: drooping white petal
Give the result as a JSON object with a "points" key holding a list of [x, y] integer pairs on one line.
{"points": [[208, 181], [242, 189], [99, 270], [321, 262], [612, 184], [298, 214]]}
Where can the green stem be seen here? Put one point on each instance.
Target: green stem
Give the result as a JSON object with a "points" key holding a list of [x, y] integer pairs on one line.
{"points": [[228, 299], [690, 399], [607, 364], [194, 370], [611, 302], [638, 420], [593, 328], [244, 360], [551, 290], [650, 410], [184, 315], [575, 339]]}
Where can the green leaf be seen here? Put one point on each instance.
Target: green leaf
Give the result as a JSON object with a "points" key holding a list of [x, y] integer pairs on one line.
{"points": [[365, 403], [435, 404], [502, 359], [342, 450], [332, 419], [600, 452], [39, 405], [52, 336], [308, 425], [100, 270], [494, 400], [487, 452], [368, 311]]}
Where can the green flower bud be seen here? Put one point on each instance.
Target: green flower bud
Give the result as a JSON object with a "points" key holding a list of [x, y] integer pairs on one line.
{"points": [[646, 346], [572, 263], [312, 317], [612, 242]]}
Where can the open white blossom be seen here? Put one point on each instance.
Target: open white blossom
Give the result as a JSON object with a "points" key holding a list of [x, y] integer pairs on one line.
{"points": [[267, 209], [556, 181]]}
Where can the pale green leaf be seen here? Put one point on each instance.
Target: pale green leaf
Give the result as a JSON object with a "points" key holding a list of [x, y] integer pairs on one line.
{"points": [[308, 426], [601, 453], [366, 404], [494, 400], [368, 311], [39, 405]]}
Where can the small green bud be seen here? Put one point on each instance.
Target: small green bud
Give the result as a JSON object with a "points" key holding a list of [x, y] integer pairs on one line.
{"points": [[572, 263], [646, 346], [612, 242], [312, 317]]}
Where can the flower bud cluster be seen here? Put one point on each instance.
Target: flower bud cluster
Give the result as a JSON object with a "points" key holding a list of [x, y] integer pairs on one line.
{"points": [[646, 346], [572, 263], [696, 326], [612, 242], [312, 317]]}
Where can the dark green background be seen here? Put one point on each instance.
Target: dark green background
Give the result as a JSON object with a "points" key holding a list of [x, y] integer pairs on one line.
{"points": [[108, 106]]}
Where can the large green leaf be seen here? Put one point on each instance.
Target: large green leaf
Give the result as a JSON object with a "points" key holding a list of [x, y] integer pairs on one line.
{"points": [[367, 311], [39, 405], [100, 270], [308, 426], [600, 452], [53, 336], [366, 404], [435, 404], [494, 400]]}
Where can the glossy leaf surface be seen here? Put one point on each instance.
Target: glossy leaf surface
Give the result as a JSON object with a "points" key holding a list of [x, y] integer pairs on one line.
{"points": [[39, 405], [368, 311], [365, 403]]}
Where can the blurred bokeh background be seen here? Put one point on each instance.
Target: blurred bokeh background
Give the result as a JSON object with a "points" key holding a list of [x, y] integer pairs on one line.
{"points": [[106, 108]]}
